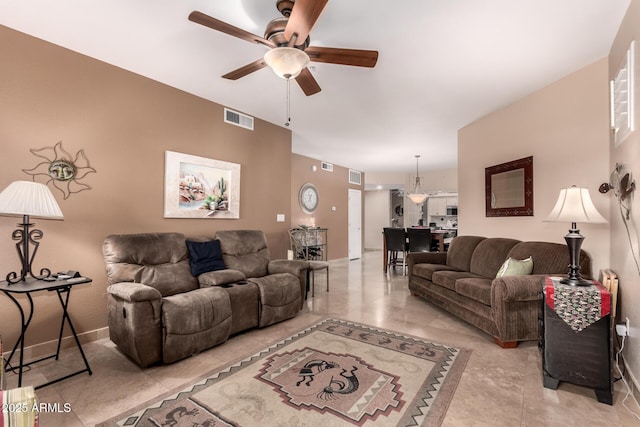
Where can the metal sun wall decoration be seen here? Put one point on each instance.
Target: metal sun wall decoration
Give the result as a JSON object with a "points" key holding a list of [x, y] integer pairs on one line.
{"points": [[62, 169], [623, 187]]}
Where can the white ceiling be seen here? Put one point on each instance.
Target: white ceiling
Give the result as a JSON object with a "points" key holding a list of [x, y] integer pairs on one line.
{"points": [[442, 63]]}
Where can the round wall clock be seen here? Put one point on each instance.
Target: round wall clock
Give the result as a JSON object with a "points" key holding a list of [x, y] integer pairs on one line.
{"points": [[308, 198]]}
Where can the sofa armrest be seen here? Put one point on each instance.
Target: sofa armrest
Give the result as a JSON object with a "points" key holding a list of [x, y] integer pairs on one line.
{"points": [[517, 288], [414, 258], [134, 313], [134, 292], [297, 267], [516, 306], [220, 277]]}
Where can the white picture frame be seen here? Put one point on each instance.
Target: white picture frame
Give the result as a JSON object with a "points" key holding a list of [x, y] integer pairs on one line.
{"points": [[198, 187]]}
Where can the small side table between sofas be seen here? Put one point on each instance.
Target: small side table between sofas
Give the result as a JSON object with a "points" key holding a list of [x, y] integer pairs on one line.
{"points": [[28, 287], [576, 339]]}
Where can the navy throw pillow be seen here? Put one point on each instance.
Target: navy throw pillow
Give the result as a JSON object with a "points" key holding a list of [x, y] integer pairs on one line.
{"points": [[205, 256]]}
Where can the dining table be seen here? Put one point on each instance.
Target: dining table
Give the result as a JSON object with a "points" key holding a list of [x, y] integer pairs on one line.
{"points": [[437, 234]]}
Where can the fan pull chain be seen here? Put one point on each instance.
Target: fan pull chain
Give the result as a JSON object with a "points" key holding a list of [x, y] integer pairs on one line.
{"points": [[288, 102]]}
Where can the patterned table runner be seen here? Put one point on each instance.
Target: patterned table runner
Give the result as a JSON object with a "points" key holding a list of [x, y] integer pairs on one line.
{"points": [[578, 306]]}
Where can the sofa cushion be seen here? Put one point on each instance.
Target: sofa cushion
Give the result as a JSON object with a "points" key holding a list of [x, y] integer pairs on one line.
{"points": [[516, 267], [205, 256], [460, 251], [426, 270], [195, 311], [159, 260], [245, 250], [489, 256], [145, 248], [550, 258], [478, 289], [169, 279], [447, 279]]}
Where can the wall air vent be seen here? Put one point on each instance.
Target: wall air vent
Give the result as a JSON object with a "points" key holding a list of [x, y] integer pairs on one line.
{"points": [[355, 177], [327, 166], [238, 119]]}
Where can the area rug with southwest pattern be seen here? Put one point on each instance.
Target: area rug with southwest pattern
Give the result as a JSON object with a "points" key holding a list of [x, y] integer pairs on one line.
{"points": [[334, 373]]}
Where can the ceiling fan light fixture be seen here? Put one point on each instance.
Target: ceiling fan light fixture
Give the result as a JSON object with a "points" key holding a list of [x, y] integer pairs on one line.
{"points": [[286, 62]]}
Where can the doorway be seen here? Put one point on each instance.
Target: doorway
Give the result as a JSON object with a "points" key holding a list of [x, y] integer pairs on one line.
{"points": [[355, 224]]}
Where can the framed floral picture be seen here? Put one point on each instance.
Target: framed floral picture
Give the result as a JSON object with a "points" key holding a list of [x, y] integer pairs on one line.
{"points": [[197, 187]]}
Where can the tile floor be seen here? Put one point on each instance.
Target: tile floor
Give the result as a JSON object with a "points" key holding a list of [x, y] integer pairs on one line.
{"points": [[498, 388]]}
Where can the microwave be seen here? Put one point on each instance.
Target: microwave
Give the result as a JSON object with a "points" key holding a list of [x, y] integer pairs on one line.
{"points": [[452, 210]]}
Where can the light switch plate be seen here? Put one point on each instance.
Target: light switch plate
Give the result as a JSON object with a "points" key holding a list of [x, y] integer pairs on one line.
{"points": [[280, 217]]}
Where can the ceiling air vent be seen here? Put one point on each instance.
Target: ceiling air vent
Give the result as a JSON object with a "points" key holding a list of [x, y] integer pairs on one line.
{"points": [[355, 177], [238, 119], [326, 166]]}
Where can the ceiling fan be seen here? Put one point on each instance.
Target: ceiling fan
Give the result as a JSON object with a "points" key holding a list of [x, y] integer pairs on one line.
{"points": [[289, 43]]}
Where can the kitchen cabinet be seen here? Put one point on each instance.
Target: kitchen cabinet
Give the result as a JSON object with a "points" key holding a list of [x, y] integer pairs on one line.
{"points": [[437, 204]]}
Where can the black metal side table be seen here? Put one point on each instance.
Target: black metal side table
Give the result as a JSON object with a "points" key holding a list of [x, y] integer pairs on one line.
{"points": [[28, 287], [577, 343]]}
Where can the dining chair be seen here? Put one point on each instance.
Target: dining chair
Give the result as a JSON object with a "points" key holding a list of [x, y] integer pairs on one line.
{"points": [[419, 239], [296, 242], [302, 248], [396, 242]]}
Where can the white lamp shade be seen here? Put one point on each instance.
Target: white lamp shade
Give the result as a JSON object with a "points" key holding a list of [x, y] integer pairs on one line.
{"points": [[286, 62], [417, 197], [574, 205], [29, 198]]}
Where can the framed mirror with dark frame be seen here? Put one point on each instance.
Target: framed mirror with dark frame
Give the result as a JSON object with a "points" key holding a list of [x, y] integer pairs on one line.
{"points": [[509, 188]]}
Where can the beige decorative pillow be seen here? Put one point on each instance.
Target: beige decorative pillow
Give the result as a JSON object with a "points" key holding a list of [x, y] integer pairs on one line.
{"points": [[515, 267]]}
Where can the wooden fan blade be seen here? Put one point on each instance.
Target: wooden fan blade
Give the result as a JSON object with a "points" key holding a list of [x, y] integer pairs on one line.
{"points": [[223, 27], [307, 82], [304, 15], [333, 55], [247, 69]]}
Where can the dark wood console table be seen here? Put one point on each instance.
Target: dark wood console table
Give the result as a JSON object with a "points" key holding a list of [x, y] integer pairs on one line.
{"points": [[577, 343], [63, 289]]}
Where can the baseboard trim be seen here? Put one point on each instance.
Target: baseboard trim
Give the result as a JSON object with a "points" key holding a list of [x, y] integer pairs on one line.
{"points": [[49, 347], [635, 385]]}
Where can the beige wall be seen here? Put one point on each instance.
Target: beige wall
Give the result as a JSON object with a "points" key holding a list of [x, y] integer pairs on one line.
{"points": [[628, 155], [434, 181], [565, 127], [333, 189], [124, 123]]}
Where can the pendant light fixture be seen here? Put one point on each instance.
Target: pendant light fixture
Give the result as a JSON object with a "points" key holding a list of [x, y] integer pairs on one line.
{"points": [[418, 195]]}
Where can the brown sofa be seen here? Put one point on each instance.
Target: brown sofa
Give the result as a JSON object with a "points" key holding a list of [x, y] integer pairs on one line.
{"points": [[159, 311], [463, 282]]}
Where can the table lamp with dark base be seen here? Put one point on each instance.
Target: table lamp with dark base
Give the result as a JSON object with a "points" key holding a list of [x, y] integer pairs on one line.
{"points": [[574, 205]]}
